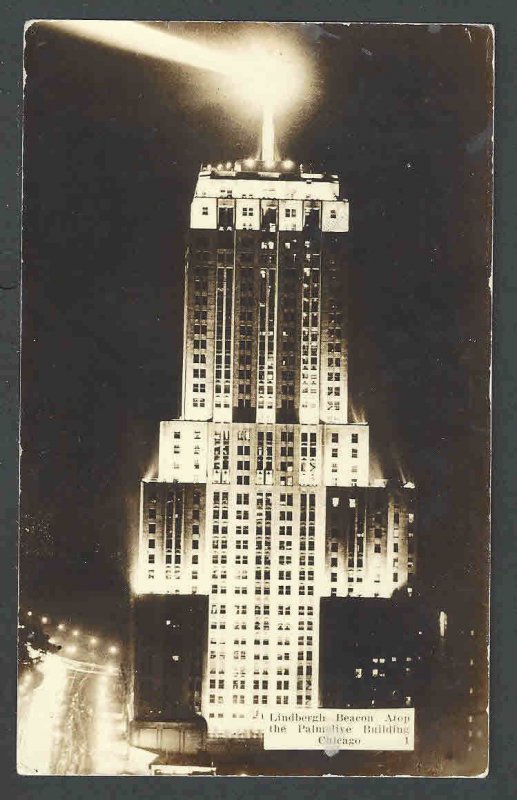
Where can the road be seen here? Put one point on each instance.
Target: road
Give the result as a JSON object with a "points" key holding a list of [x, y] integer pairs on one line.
{"points": [[71, 720]]}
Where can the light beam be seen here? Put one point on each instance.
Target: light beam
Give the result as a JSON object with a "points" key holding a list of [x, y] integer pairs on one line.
{"points": [[145, 40], [263, 73], [268, 134]]}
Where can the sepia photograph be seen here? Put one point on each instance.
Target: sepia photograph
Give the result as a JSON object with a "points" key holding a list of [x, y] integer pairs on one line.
{"points": [[255, 399]]}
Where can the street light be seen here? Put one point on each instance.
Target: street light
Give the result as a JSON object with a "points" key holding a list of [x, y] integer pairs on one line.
{"points": [[75, 633], [113, 649], [93, 641]]}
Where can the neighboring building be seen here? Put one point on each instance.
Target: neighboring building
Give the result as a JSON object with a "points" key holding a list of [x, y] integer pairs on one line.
{"points": [[453, 711], [169, 651], [253, 504], [375, 652]]}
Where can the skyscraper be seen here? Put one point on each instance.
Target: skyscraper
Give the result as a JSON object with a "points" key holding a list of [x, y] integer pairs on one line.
{"points": [[262, 501]]}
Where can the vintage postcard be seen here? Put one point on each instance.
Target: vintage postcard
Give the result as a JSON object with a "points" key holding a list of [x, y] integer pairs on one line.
{"points": [[255, 423]]}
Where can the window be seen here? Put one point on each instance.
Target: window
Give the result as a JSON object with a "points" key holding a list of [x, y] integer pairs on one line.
{"points": [[205, 211]]}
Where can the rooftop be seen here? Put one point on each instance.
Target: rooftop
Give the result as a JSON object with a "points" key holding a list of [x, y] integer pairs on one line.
{"points": [[251, 177], [252, 168]]}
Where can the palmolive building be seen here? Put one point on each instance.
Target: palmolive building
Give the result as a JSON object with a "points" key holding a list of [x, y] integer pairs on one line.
{"points": [[262, 503]]}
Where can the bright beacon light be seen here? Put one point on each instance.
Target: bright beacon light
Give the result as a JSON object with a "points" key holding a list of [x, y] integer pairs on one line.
{"points": [[266, 73], [271, 76]]}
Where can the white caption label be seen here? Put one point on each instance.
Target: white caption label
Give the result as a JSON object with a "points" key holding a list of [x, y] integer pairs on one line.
{"points": [[340, 729]]}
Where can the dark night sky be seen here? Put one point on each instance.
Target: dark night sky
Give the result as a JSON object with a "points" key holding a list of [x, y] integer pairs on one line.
{"points": [[112, 146]]}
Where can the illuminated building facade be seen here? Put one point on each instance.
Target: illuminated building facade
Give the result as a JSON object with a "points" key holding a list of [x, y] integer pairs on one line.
{"points": [[262, 501]]}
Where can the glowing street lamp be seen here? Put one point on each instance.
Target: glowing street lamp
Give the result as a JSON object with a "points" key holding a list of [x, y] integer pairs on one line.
{"points": [[113, 650], [61, 627], [44, 620], [93, 641], [75, 633]]}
